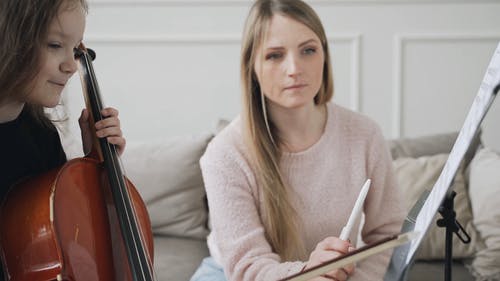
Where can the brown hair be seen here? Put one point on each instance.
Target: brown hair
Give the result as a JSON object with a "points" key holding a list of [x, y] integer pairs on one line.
{"points": [[280, 218], [24, 27]]}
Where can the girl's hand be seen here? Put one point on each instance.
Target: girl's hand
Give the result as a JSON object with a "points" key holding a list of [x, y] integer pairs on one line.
{"points": [[330, 248], [108, 128]]}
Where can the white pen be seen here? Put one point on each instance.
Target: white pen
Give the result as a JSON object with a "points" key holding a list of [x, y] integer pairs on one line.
{"points": [[356, 211]]}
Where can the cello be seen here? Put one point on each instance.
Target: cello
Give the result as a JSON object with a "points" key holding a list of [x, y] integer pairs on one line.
{"points": [[83, 221]]}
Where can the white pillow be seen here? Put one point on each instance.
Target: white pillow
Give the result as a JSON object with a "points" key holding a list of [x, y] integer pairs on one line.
{"points": [[484, 188], [168, 177]]}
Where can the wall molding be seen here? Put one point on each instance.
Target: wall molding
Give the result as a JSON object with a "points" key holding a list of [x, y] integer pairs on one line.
{"points": [[355, 60], [400, 41], [248, 2]]}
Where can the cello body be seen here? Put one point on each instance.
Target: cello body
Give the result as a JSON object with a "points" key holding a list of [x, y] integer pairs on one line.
{"points": [[83, 221], [56, 226]]}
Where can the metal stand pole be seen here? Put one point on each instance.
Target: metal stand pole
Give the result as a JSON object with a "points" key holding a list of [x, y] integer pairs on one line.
{"points": [[449, 221]]}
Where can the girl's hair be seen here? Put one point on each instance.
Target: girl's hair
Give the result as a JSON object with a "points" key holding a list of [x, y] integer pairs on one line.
{"points": [[279, 216], [24, 27]]}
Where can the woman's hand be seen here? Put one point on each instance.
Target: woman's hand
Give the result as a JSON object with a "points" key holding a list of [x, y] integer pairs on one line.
{"points": [[108, 128], [330, 248]]}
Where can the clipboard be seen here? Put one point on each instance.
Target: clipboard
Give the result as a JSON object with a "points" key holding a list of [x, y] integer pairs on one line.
{"points": [[354, 256]]}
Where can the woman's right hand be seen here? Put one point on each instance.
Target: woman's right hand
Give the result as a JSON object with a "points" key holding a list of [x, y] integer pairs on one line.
{"points": [[330, 248]]}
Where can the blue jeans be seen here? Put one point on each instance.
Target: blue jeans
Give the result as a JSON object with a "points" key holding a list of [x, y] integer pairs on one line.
{"points": [[209, 270]]}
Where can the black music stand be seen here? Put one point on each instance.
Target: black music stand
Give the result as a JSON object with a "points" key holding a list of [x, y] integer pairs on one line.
{"points": [[450, 223], [440, 198]]}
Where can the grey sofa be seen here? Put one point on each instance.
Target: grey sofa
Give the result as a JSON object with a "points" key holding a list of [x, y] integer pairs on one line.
{"points": [[168, 177]]}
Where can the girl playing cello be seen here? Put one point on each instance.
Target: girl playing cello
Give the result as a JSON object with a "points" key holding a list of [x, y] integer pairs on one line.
{"points": [[38, 40]]}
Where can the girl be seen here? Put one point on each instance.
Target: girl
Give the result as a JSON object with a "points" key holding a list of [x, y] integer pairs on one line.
{"points": [[38, 39], [282, 178]]}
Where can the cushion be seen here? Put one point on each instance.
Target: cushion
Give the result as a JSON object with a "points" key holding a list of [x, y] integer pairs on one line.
{"points": [[422, 146], [414, 175], [431, 145], [167, 174], [484, 187]]}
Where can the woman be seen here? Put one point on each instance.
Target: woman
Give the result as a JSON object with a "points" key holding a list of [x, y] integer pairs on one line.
{"points": [[282, 178], [37, 55]]}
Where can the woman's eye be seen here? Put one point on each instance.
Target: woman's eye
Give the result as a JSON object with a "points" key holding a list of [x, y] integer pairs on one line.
{"points": [[309, 51], [274, 56]]}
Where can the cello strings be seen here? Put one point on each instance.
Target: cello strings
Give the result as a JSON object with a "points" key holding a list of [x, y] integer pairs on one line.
{"points": [[123, 192]]}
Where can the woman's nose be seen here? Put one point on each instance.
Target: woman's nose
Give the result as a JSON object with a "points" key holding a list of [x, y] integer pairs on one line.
{"points": [[293, 65]]}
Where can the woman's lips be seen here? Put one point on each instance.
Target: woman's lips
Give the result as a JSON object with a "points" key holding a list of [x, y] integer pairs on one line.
{"points": [[294, 87]]}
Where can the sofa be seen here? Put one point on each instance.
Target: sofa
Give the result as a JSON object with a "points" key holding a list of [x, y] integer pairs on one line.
{"points": [[167, 175]]}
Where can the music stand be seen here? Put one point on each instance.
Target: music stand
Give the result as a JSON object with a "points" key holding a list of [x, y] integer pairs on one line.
{"points": [[422, 214], [451, 225]]}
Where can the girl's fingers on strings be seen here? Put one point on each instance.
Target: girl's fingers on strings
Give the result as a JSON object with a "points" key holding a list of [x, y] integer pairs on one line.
{"points": [[108, 122], [114, 131], [109, 111], [120, 143]]}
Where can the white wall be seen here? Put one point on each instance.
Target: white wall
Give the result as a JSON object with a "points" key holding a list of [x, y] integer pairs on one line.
{"points": [[172, 67]]}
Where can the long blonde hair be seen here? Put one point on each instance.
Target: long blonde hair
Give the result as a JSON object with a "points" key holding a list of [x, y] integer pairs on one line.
{"points": [[280, 218]]}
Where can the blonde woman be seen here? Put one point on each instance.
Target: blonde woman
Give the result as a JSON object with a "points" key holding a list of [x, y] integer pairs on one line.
{"points": [[282, 178]]}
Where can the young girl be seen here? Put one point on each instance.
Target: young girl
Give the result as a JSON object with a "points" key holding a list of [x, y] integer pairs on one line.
{"points": [[282, 178], [38, 39]]}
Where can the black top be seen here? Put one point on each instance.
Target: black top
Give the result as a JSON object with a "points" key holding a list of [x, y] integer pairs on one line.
{"points": [[27, 148]]}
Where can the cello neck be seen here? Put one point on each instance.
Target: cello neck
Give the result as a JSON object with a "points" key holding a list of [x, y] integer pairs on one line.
{"points": [[140, 265]]}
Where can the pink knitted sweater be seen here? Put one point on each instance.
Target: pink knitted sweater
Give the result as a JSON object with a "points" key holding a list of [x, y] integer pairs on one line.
{"points": [[325, 178]]}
